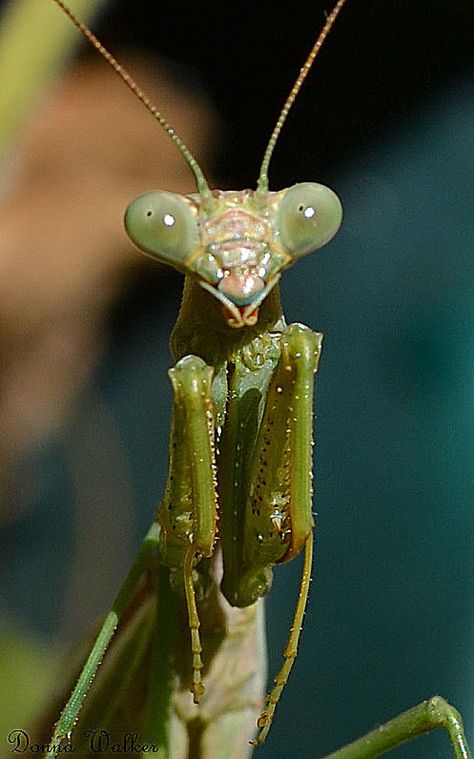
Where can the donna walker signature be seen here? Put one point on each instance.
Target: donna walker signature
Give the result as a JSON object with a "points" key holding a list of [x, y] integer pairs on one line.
{"points": [[99, 742]]}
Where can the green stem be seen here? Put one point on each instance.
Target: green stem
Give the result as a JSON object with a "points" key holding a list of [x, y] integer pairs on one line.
{"points": [[34, 41]]}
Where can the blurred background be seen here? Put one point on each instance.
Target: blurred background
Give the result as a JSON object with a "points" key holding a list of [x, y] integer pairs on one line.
{"points": [[387, 121]]}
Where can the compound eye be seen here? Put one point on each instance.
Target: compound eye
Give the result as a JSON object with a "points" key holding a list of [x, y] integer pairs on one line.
{"points": [[163, 225], [309, 216]]}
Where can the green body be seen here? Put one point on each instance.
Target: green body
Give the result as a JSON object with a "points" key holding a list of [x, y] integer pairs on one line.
{"points": [[262, 411], [239, 475]]}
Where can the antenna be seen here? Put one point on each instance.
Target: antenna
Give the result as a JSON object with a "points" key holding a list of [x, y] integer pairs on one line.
{"points": [[262, 186], [201, 183]]}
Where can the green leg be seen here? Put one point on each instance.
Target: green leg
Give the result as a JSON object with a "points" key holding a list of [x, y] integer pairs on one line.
{"points": [[70, 713], [188, 512], [265, 485], [184, 531], [265, 720], [265, 478], [427, 716], [279, 520]]}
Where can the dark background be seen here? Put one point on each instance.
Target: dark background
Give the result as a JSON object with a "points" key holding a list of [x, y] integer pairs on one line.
{"points": [[382, 60], [386, 120]]}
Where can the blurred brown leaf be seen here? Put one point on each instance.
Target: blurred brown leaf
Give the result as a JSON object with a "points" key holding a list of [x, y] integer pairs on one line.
{"points": [[64, 256]]}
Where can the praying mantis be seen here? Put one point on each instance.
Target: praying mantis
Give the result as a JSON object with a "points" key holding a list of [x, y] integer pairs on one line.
{"points": [[241, 430]]}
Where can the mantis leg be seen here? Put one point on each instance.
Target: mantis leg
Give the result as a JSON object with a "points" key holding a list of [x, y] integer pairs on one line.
{"points": [[264, 477], [188, 512], [280, 497], [427, 716], [70, 713], [265, 720]]}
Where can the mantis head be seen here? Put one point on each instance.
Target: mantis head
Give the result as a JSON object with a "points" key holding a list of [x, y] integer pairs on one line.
{"points": [[235, 243]]}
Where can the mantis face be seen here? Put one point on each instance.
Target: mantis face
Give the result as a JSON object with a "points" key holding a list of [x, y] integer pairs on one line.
{"points": [[236, 243]]}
